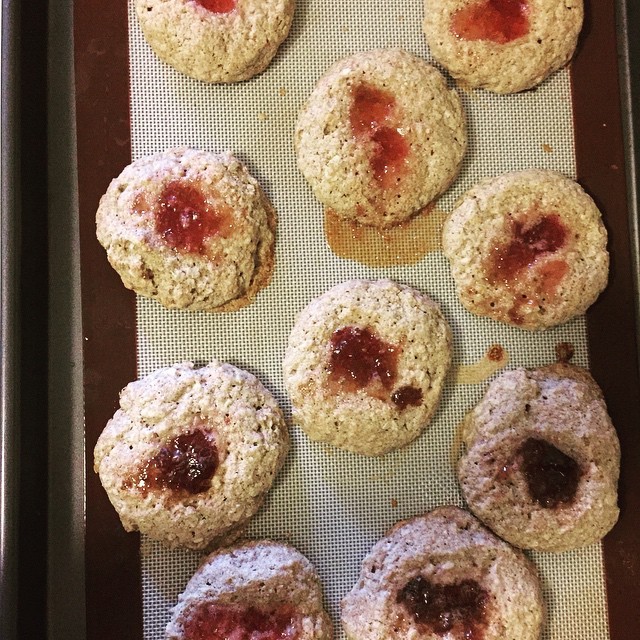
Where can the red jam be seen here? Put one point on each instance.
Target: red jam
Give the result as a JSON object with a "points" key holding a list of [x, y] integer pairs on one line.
{"points": [[372, 116], [528, 242], [185, 464], [185, 220], [218, 6], [459, 607], [406, 396], [499, 21], [390, 152], [359, 358], [495, 353], [552, 476], [208, 621]]}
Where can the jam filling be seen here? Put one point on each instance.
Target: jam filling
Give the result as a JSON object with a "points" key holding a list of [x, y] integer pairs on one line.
{"points": [[372, 116], [218, 6], [185, 464], [552, 477], [407, 396], [359, 358], [459, 607], [184, 219], [208, 621], [499, 21], [528, 242]]}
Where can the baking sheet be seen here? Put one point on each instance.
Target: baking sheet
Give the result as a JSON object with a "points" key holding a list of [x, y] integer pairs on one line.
{"points": [[330, 504]]}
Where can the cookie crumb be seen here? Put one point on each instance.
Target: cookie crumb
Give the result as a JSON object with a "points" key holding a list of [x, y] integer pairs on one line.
{"points": [[547, 148], [394, 503], [564, 352], [282, 91], [262, 116]]}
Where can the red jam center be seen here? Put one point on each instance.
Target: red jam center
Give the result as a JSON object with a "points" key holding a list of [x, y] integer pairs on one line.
{"points": [[185, 220], [218, 6], [552, 476], [359, 357], [218, 622], [458, 607], [528, 242], [372, 117], [406, 396], [499, 21], [185, 464]]}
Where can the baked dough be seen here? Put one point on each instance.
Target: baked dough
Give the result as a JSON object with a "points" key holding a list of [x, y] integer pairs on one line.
{"points": [[191, 453], [542, 459], [365, 365]]}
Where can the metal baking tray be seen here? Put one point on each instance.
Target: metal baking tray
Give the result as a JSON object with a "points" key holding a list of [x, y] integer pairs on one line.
{"points": [[94, 582]]}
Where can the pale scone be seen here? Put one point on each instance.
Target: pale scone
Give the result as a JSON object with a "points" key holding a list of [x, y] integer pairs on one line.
{"points": [[191, 453], [440, 576], [542, 459], [264, 590], [216, 40], [365, 365], [504, 46], [190, 229], [380, 137], [527, 248]]}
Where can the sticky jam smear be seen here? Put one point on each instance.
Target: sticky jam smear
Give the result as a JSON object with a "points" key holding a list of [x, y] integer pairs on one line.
{"points": [[185, 464], [372, 115], [208, 621], [359, 358], [185, 220], [460, 607], [528, 243], [218, 6], [499, 21], [552, 477]]}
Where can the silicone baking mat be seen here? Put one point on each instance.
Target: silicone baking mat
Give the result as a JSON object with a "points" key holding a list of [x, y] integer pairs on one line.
{"points": [[330, 504]]}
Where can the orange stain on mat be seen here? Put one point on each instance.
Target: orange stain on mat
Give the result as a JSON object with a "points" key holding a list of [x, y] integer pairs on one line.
{"points": [[493, 360], [406, 243]]}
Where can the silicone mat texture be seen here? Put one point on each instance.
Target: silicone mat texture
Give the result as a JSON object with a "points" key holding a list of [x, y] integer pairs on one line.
{"points": [[330, 504]]}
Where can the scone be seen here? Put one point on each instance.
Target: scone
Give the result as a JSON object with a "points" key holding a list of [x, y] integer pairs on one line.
{"points": [[365, 365], [259, 590], [527, 248], [440, 576], [504, 46], [190, 454], [216, 40], [190, 229], [380, 137], [542, 459]]}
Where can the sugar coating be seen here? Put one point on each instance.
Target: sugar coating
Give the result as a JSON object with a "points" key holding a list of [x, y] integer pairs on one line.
{"points": [[513, 66], [250, 435], [236, 265], [224, 47], [400, 316], [444, 546], [562, 405], [481, 221], [337, 164], [261, 574]]}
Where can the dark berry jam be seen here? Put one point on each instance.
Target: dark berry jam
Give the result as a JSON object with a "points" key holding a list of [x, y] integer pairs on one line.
{"points": [[527, 243], [209, 621], [552, 476], [372, 116], [406, 396], [460, 607], [218, 6], [359, 358], [499, 21], [186, 464], [185, 220]]}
